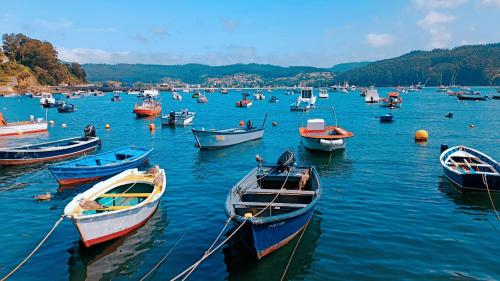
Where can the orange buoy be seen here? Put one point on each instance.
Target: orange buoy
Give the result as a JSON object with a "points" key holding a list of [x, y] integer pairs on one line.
{"points": [[421, 135], [107, 126], [152, 127], [242, 123]]}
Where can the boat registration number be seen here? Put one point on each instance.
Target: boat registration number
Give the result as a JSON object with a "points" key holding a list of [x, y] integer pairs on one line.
{"points": [[276, 224], [220, 137]]}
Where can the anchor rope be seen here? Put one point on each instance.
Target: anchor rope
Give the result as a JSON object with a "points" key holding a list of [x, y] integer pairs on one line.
{"points": [[188, 271], [20, 183], [293, 252], [166, 255], [34, 250], [485, 181]]}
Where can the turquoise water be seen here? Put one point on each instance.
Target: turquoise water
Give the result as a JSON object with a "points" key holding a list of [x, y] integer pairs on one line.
{"points": [[386, 212]]}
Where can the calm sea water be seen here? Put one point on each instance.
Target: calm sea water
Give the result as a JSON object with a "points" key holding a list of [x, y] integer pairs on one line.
{"points": [[387, 212]]}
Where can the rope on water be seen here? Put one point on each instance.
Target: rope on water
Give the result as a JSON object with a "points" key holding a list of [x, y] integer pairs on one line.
{"points": [[485, 181], [293, 252], [166, 255], [20, 183], [34, 250], [188, 271]]}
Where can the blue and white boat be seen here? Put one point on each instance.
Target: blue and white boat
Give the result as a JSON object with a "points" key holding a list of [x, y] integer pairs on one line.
{"points": [[386, 118], [50, 151], [99, 166], [274, 202], [470, 170], [214, 139]]}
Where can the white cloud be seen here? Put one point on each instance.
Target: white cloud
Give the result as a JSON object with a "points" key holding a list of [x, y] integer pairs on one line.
{"points": [[435, 23], [380, 39], [432, 4], [159, 31], [489, 3], [434, 18]]}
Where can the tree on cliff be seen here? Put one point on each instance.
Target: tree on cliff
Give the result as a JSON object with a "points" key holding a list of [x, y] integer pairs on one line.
{"points": [[41, 58]]}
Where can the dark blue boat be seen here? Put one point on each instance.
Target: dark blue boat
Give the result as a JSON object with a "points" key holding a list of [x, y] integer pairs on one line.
{"points": [[275, 203], [98, 166], [50, 151], [470, 169], [66, 108], [386, 118]]}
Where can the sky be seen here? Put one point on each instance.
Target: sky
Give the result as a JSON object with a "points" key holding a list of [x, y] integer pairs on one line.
{"points": [[313, 32]]}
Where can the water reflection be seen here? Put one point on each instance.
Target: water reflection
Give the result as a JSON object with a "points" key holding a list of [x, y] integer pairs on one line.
{"points": [[241, 264], [117, 258], [326, 163]]}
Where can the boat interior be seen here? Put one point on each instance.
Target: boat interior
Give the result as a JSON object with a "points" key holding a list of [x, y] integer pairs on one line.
{"points": [[467, 163], [46, 145], [107, 158], [118, 198], [258, 190]]}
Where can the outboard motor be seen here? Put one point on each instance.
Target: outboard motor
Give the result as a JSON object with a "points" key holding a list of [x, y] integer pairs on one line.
{"points": [[89, 131], [249, 125], [443, 147], [286, 161]]}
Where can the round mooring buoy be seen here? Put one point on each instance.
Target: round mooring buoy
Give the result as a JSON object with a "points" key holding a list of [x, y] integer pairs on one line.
{"points": [[472, 126], [421, 135], [242, 123], [64, 125], [51, 122], [107, 126], [152, 127]]}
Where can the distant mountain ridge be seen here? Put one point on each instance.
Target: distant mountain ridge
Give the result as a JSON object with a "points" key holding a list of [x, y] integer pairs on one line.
{"points": [[464, 65], [198, 73]]}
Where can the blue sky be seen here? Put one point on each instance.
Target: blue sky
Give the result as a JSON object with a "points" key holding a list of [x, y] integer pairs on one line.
{"points": [[316, 33]]}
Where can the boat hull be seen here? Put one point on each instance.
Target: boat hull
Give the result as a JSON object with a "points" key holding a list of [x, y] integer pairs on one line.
{"points": [[146, 112], [216, 140], [323, 144], [97, 230], [17, 157], [27, 128], [265, 238], [179, 121], [473, 182], [74, 175]]}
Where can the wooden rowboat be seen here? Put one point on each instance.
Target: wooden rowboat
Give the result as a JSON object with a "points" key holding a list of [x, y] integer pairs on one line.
{"points": [[22, 127], [275, 203], [117, 206], [98, 166], [470, 169], [50, 151]]}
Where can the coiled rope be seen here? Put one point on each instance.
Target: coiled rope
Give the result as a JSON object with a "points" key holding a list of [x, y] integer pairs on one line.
{"points": [[188, 271], [34, 250]]}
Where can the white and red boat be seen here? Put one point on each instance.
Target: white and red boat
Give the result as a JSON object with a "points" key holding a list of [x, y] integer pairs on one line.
{"points": [[22, 127], [116, 206], [148, 107], [317, 136]]}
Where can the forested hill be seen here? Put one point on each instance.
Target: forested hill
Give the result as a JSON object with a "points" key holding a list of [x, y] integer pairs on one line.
{"points": [[190, 73], [465, 65]]}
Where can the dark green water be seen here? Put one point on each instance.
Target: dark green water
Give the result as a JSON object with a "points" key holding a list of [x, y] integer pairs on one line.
{"points": [[387, 212]]}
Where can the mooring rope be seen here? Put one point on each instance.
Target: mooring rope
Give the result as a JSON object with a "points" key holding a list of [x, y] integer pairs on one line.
{"points": [[20, 183], [293, 252], [34, 250], [166, 255], [485, 181], [188, 271]]}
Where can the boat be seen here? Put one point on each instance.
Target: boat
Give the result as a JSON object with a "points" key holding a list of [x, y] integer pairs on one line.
{"points": [[47, 100], [471, 97], [11, 95], [214, 139], [274, 202], [470, 169], [202, 99], [244, 102], [274, 99], [66, 108], [176, 96], [117, 91], [496, 97], [148, 107], [224, 91], [372, 96], [353, 88], [317, 136], [442, 88], [74, 96], [323, 94], [50, 151], [31, 126], [135, 93], [259, 96], [393, 100], [94, 167], [116, 97], [116, 206], [289, 93], [151, 93], [185, 90], [305, 101], [98, 94], [344, 90], [182, 118], [386, 118], [196, 95]]}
